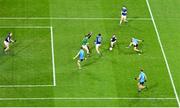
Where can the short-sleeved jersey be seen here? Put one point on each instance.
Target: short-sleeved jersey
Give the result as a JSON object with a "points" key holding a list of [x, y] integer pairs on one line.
{"points": [[8, 38], [134, 41], [113, 39], [85, 41], [98, 39], [81, 54], [142, 77], [124, 11]]}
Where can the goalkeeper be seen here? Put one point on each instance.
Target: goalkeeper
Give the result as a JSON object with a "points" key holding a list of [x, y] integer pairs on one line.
{"points": [[141, 80], [85, 43]]}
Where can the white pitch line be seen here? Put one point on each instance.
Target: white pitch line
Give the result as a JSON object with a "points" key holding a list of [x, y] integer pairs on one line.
{"points": [[24, 27], [11, 86], [56, 98], [164, 55], [66, 18], [53, 63]]}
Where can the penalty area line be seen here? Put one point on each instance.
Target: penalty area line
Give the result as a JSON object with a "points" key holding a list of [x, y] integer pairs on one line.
{"points": [[56, 98], [16, 86], [24, 27]]}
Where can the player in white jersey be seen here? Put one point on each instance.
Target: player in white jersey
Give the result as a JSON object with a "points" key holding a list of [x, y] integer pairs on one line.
{"points": [[123, 15]]}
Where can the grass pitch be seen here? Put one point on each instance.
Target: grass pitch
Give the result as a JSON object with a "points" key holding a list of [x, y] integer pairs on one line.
{"points": [[104, 81]]}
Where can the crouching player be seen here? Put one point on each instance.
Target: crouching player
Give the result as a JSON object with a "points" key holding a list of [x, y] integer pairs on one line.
{"points": [[7, 41], [85, 43], [123, 15], [98, 43], [135, 43], [81, 55], [141, 80], [113, 41]]}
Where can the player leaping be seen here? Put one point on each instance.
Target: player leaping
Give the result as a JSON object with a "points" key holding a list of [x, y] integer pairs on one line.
{"points": [[7, 41], [135, 43], [85, 43], [123, 15]]}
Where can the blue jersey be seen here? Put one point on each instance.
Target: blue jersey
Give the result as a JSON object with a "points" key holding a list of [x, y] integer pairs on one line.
{"points": [[98, 39], [124, 11], [142, 77], [81, 54], [134, 41]]}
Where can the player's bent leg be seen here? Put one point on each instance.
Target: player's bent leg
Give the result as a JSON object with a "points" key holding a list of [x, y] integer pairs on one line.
{"points": [[135, 49]]}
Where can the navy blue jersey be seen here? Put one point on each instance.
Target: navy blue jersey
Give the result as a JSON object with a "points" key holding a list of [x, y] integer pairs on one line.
{"points": [[98, 39], [113, 39], [8, 38], [124, 11]]}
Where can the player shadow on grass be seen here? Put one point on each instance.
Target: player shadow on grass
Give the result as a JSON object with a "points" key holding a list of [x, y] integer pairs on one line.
{"points": [[95, 58]]}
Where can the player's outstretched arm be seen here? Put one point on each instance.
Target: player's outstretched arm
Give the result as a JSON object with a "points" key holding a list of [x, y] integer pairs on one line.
{"points": [[89, 35], [76, 55], [12, 40], [140, 40]]}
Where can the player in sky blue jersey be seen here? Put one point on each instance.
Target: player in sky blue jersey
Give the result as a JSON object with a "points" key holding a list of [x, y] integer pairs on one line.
{"points": [[98, 43], [123, 15], [141, 80], [135, 43], [81, 55]]}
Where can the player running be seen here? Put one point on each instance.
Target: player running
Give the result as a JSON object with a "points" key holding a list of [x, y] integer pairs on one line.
{"points": [[123, 15], [81, 55], [113, 41], [98, 43], [85, 43], [135, 43], [141, 80], [7, 41]]}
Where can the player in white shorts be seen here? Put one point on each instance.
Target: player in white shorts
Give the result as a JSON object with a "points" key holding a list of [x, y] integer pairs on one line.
{"points": [[7, 41], [85, 43], [123, 15], [113, 41], [98, 43]]}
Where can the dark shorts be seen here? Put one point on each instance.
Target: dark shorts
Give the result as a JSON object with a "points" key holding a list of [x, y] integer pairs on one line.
{"points": [[81, 60], [141, 83]]}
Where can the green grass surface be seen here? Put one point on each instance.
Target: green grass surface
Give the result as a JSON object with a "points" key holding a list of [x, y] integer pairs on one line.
{"points": [[29, 62]]}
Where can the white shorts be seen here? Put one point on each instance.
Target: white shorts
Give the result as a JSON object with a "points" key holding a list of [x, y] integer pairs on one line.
{"points": [[6, 44], [123, 17], [85, 47], [98, 45], [113, 42]]}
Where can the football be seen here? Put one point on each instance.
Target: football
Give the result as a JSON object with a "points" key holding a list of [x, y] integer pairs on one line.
{"points": [[110, 48]]}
